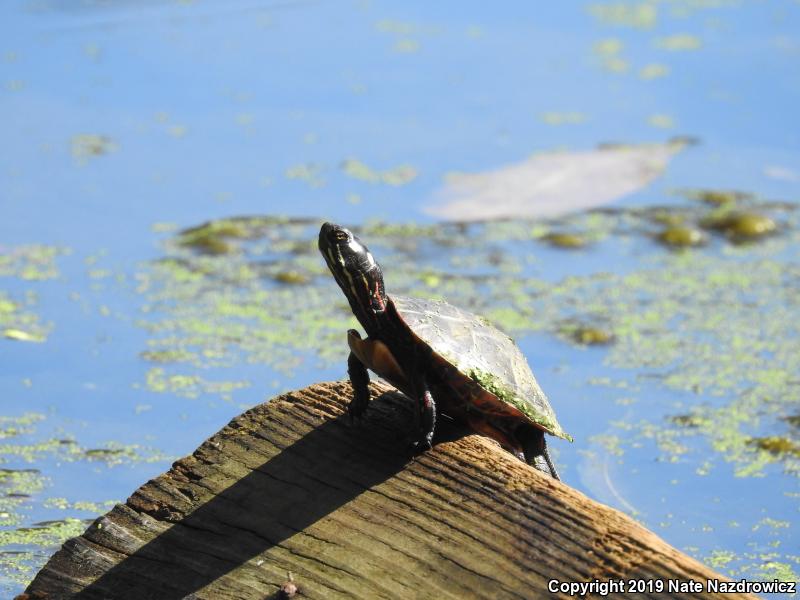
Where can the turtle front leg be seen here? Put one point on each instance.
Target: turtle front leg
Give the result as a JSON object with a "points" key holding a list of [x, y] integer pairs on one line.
{"points": [[359, 379]]}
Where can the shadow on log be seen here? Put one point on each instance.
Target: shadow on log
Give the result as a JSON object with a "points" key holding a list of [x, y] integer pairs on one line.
{"points": [[291, 487]]}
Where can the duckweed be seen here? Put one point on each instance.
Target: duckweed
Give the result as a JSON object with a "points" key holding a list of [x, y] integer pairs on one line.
{"points": [[591, 336], [586, 335], [716, 197], [678, 42], [691, 421], [95, 508], [776, 445], [88, 145], [34, 262], [190, 386], [28, 544], [45, 534], [292, 277], [679, 236], [720, 558], [565, 240], [668, 217], [18, 321], [212, 237], [639, 16], [397, 176], [166, 356], [741, 226], [793, 420]]}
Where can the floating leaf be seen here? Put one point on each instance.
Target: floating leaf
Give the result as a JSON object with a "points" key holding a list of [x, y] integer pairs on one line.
{"points": [[553, 183]]}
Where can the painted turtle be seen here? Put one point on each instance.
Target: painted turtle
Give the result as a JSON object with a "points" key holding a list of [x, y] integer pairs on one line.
{"points": [[440, 356]]}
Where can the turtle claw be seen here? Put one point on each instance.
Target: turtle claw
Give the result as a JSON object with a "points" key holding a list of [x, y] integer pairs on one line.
{"points": [[422, 444], [416, 444], [425, 444], [358, 405], [355, 412]]}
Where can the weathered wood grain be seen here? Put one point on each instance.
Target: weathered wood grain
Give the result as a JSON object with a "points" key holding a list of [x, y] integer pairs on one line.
{"points": [[291, 486]]}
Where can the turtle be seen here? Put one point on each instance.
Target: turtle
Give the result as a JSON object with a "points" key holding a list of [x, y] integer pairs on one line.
{"points": [[444, 358]]}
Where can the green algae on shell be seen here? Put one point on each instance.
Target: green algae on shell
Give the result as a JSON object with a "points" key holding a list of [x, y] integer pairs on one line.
{"points": [[495, 385]]}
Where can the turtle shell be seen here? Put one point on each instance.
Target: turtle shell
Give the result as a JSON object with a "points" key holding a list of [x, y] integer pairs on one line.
{"points": [[482, 354]]}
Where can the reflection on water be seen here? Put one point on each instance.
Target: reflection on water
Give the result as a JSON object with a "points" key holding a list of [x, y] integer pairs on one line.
{"points": [[126, 339]]}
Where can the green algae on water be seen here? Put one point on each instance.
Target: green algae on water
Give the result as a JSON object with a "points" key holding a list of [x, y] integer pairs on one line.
{"points": [[292, 277], [679, 236], [565, 240], [49, 533], [586, 335], [776, 445], [689, 420], [96, 508], [717, 197], [35, 262], [166, 356], [740, 226], [26, 545], [793, 420], [20, 335], [213, 237], [679, 315], [89, 145], [397, 176]]}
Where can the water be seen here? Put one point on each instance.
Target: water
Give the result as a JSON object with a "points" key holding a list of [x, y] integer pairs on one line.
{"points": [[124, 122]]}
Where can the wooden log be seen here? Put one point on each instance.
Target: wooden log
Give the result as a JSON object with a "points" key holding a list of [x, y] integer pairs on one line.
{"points": [[291, 486]]}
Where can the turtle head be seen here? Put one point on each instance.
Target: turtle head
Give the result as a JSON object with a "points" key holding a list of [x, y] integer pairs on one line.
{"points": [[356, 272]]}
